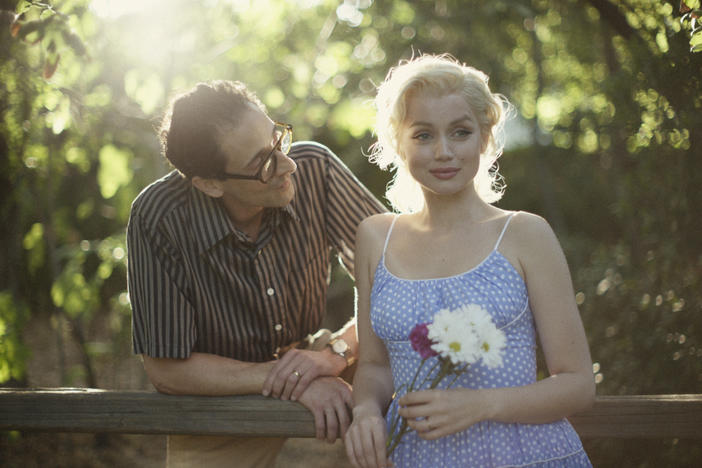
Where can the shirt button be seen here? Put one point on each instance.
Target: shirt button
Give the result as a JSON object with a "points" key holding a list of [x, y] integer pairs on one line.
{"points": [[270, 291], [278, 327]]}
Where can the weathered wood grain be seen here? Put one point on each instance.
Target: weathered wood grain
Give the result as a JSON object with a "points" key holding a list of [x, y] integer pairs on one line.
{"points": [[91, 410], [642, 417], [137, 412]]}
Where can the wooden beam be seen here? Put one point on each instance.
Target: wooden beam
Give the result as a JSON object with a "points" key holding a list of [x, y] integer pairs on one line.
{"points": [[91, 410], [138, 412], [642, 417]]}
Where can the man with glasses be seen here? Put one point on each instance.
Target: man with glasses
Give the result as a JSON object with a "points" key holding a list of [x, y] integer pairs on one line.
{"points": [[229, 260]]}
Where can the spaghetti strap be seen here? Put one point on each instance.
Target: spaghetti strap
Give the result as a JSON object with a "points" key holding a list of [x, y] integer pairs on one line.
{"points": [[387, 236], [504, 229]]}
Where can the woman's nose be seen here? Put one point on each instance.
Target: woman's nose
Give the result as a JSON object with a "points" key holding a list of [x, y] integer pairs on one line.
{"points": [[444, 149]]}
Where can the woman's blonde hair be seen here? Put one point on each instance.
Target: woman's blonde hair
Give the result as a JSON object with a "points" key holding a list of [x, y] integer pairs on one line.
{"points": [[441, 74]]}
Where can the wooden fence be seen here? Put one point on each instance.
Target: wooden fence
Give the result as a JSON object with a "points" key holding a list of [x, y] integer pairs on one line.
{"points": [[139, 412]]}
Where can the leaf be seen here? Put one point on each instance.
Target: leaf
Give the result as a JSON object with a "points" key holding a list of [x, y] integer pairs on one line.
{"points": [[114, 170], [74, 42], [696, 42], [15, 28], [50, 68]]}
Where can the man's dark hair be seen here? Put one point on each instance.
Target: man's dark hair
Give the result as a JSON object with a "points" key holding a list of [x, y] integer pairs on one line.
{"points": [[191, 127]]}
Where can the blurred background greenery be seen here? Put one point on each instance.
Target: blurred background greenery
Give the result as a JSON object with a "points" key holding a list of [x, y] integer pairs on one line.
{"points": [[605, 145]]}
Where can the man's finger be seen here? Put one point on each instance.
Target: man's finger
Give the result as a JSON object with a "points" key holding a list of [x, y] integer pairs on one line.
{"points": [[306, 377], [332, 424], [290, 384], [319, 425]]}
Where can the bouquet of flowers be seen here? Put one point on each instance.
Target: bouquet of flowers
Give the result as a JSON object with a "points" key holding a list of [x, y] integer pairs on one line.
{"points": [[458, 338]]}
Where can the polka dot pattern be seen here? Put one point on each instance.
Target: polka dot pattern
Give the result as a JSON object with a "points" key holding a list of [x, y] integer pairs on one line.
{"points": [[398, 304]]}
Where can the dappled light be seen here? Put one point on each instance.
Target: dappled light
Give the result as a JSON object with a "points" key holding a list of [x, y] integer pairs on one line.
{"points": [[604, 144]]}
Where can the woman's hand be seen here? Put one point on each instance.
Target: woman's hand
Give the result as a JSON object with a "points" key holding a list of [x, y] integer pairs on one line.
{"points": [[438, 413], [293, 373], [365, 440]]}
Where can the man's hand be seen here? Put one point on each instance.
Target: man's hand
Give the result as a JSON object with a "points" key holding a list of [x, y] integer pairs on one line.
{"points": [[295, 371], [329, 400]]}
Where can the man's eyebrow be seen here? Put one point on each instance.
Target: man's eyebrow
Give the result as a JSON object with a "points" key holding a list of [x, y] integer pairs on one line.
{"points": [[261, 153]]}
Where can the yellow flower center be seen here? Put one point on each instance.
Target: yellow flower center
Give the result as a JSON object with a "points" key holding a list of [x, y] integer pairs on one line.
{"points": [[486, 346], [455, 346]]}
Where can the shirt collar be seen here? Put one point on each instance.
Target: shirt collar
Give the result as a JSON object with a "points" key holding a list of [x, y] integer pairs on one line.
{"points": [[211, 223]]}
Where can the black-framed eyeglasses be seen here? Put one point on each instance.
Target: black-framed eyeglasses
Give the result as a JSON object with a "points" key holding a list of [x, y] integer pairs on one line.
{"points": [[282, 136]]}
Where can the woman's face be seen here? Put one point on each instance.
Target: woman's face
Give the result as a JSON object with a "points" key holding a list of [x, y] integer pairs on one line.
{"points": [[441, 142]]}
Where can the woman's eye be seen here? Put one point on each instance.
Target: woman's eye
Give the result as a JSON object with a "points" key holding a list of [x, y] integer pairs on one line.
{"points": [[462, 132], [422, 136]]}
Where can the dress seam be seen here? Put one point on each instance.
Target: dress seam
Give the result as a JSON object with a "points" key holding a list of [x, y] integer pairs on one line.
{"points": [[524, 309]]}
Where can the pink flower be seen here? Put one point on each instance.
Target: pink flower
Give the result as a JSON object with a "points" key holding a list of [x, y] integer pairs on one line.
{"points": [[421, 342]]}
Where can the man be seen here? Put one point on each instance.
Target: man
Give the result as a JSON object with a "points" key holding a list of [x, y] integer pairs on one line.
{"points": [[229, 260]]}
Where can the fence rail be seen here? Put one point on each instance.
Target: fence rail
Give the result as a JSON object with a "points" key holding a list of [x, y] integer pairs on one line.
{"points": [[139, 412]]}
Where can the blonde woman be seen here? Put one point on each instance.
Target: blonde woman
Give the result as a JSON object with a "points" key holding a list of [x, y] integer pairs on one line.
{"points": [[438, 127]]}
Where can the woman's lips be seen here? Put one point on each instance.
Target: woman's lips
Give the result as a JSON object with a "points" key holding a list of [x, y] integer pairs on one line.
{"points": [[444, 173]]}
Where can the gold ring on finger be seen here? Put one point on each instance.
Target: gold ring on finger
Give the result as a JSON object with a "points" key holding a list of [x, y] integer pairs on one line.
{"points": [[296, 373]]}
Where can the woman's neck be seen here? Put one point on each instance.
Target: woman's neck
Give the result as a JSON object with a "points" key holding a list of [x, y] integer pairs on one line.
{"points": [[442, 212]]}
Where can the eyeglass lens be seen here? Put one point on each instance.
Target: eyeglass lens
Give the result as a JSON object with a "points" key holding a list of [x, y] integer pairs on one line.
{"points": [[283, 142]]}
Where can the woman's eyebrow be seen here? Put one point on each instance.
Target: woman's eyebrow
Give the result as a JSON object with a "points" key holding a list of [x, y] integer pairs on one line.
{"points": [[421, 123]]}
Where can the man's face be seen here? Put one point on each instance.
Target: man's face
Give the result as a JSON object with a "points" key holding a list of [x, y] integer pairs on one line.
{"points": [[247, 146]]}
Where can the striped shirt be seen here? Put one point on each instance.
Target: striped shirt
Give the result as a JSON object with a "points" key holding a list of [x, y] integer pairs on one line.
{"points": [[198, 284]]}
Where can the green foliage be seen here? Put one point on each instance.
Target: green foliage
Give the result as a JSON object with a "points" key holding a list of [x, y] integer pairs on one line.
{"points": [[608, 95], [12, 352], [691, 14]]}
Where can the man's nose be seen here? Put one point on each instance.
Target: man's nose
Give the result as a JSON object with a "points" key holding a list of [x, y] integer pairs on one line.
{"points": [[285, 165]]}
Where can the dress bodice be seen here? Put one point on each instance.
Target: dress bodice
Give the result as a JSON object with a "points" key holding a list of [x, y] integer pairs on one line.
{"points": [[398, 304]]}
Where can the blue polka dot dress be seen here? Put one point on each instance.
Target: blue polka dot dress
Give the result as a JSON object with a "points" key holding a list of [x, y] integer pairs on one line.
{"points": [[397, 305]]}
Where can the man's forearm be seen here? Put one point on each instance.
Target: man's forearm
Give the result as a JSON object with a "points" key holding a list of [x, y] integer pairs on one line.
{"points": [[206, 374]]}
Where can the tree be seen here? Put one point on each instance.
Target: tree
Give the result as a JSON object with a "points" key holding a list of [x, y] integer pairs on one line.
{"points": [[607, 95]]}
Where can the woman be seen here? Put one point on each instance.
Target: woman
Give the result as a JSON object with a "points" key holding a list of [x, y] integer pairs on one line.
{"points": [[438, 126]]}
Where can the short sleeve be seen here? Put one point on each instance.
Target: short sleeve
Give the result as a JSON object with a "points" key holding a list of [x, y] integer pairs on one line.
{"points": [[163, 323], [348, 203]]}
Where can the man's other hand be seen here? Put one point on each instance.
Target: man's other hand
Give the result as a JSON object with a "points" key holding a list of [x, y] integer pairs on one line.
{"points": [[329, 399]]}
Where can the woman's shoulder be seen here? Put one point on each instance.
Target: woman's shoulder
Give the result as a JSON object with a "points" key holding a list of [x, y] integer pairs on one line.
{"points": [[527, 223], [372, 232], [376, 224], [529, 233]]}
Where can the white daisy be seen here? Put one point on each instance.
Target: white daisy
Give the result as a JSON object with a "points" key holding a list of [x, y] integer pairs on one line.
{"points": [[492, 343]]}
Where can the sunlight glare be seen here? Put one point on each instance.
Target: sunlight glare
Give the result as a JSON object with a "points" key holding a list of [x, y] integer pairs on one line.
{"points": [[115, 8]]}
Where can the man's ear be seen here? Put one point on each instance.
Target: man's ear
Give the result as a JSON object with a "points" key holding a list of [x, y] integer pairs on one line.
{"points": [[210, 187]]}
